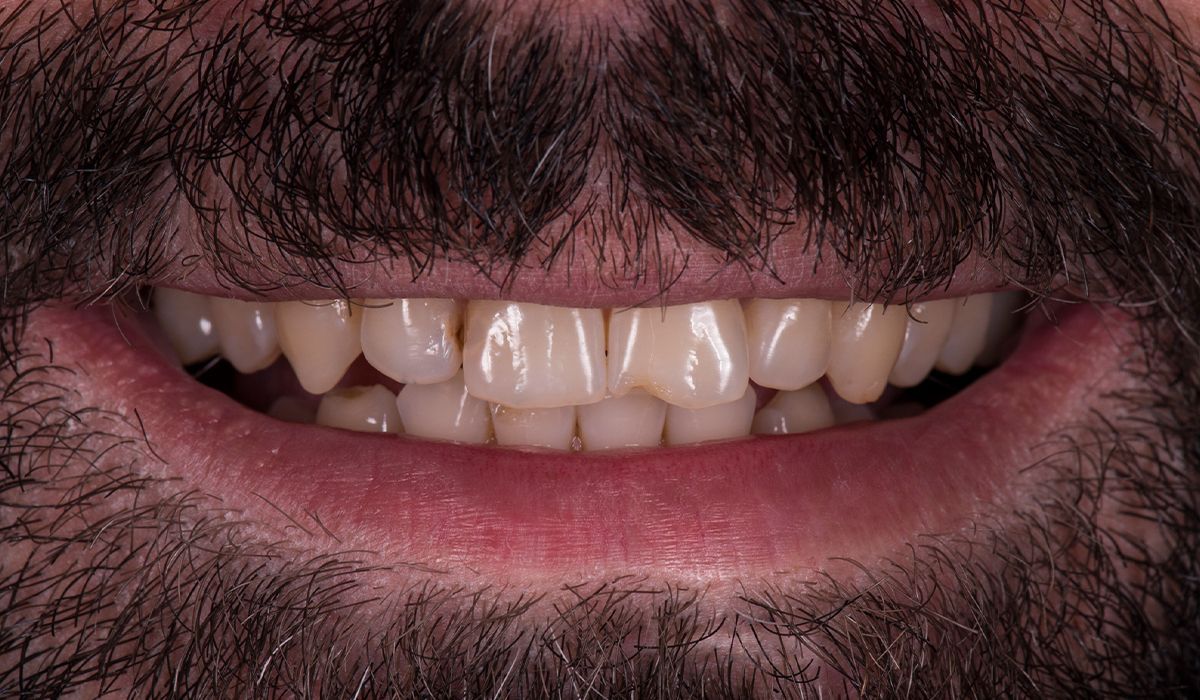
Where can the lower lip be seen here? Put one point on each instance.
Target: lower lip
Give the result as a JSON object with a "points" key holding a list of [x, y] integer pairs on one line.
{"points": [[757, 505]]}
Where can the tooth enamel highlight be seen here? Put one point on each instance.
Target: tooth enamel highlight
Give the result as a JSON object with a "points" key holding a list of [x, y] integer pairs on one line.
{"points": [[363, 409], [723, 421], [534, 427], [968, 334], [924, 335], [533, 356], [791, 412], [866, 342], [413, 341], [693, 355], [633, 420], [444, 411], [186, 320], [247, 333], [320, 339], [788, 341]]}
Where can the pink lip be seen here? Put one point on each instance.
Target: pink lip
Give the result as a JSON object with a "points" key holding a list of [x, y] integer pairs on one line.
{"points": [[747, 506]]}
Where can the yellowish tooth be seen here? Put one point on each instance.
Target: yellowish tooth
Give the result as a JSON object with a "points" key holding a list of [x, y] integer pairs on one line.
{"points": [[1002, 320], [320, 339], [413, 341], [633, 420], [365, 409], [728, 420], [186, 319], [692, 355], [788, 340], [534, 427], [533, 356], [924, 335], [444, 411], [247, 333], [866, 342], [791, 412], [968, 334]]}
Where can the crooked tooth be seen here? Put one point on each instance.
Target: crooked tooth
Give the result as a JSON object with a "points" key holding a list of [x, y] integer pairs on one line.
{"points": [[788, 341], [866, 342], [533, 356], [320, 339], [791, 412], [723, 421], [444, 411], [633, 420], [692, 355], [366, 409], [247, 333], [186, 319], [1001, 321], [534, 427], [968, 334], [925, 333], [413, 341]]}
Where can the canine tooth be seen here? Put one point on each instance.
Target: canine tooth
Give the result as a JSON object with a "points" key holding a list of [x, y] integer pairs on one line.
{"points": [[1001, 322], [444, 411], [633, 420], [866, 342], [247, 333], [533, 356], [366, 409], [186, 319], [535, 427], [790, 412], [414, 341], [924, 335], [968, 333], [788, 341], [720, 422], [692, 355], [320, 339]]}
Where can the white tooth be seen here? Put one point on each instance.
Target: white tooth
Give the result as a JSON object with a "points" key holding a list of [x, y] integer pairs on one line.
{"points": [[320, 339], [444, 411], [292, 409], [366, 409], [533, 356], [866, 342], [247, 333], [728, 420], [788, 340], [535, 427], [186, 319], [924, 335], [790, 412], [633, 420], [691, 355], [414, 341], [968, 333], [1001, 322]]}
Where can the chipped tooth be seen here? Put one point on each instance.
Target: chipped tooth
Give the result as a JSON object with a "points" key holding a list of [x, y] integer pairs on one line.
{"points": [[534, 427], [633, 420], [692, 355], [247, 333], [723, 421], [533, 356], [866, 342], [186, 319], [413, 341], [292, 409], [1002, 320], [968, 334], [925, 333], [365, 409], [444, 411], [791, 412], [788, 341], [320, 339]]}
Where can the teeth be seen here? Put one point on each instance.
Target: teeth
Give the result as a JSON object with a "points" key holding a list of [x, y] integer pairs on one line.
{"points": [[924, 335], [866, 342], [693, 355], [444, 411], [534, 356], [789, 341], [247, 333], [633, 420], [291, 409], [1001, 322], [968, 334], [363, 409], [790, 412], [535, 427], [414, 341], [728, 420], [186, 319], [320, 339]]}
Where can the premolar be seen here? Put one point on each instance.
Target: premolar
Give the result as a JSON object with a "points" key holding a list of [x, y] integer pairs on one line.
{"points": [[320, 339], [788, 341], [247, 333], [413, 341], [186, 320], [968, 334], [362, 409], [924, 335], [444, 411], [866, 342]]}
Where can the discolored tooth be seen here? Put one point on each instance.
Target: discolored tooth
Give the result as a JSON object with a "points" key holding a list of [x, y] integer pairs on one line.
{"points": [[533, 356], [1002, 321], [365, 409], [968, 333], [692, 355], [866, 342], [791, 412], [320, 339], [292, 409], [633, 420], [534, 427], [924, 335], [186, 319], [788, 341], [247, 333], [728, 420], [444, 411], [414, 341]]}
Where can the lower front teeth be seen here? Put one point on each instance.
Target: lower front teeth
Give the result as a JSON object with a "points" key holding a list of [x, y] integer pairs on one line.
{"points": [[365, 409]]}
